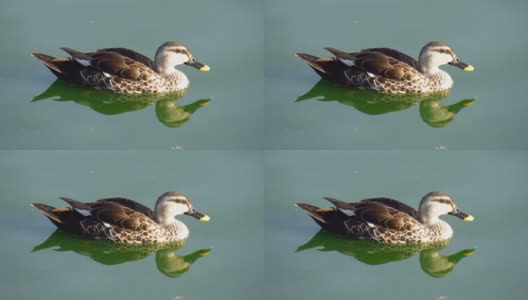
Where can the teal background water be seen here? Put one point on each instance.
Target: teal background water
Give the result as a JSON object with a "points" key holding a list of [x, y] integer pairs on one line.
{"points": [[486, 34], [483, 183], [232, 268], [227, 36], [252, 148]]}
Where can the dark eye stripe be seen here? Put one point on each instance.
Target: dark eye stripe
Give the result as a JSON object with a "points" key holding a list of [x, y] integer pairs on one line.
{"points": [[178, 50], [446, 201], [446, 51], [178, 200]]}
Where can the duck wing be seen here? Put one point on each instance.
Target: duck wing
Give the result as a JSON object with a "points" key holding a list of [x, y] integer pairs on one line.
{"points": [[131, 54], [130, 204], [396, 205], [376, 214], [395, 54], [113, 64], [376, 64], [111, 213]]}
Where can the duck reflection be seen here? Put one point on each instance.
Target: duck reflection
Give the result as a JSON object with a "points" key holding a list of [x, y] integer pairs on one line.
{"points": [[167, 260], [168, 111], [372, 253], [431, 109]]}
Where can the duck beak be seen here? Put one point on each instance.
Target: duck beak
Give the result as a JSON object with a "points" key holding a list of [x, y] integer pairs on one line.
{"points": [[198, 65], [456, 62], [197, 215], [462, 215]]}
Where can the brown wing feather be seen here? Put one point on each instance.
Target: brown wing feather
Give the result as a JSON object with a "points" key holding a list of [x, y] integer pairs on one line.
{"points": [[118, 65], [377, 212], [385, 216], [381, 65], [395, 204], [395, 54], [121, 216], [114, 64], [131, 204], [131, 54]]}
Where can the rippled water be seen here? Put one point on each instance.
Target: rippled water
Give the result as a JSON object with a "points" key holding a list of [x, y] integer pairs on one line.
{"points": [[259, 132]]}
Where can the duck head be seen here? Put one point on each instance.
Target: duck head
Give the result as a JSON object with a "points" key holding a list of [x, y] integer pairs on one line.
{"points": [[172, 54], [435, 204], [172, 204], [435, 54]]}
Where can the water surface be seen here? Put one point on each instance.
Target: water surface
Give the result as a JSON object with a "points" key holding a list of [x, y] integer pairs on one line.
{"points": [[227, 36], [483, 260], [485, 34], [221, 257], [288, 137]]}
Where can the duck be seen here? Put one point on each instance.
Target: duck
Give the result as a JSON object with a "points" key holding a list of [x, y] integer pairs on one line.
{"points": [[386, 70], [122, 220], [125, 71], [386, 220]]}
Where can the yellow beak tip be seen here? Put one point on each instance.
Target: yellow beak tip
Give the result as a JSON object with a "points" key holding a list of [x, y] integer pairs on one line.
{"points": [[205, 218], [469, 218], [469, 68], [205, 68]]}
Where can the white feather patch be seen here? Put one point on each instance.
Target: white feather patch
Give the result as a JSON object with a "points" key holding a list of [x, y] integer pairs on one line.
{"points": [[83, 61], [370, 224], [106, 224], [106, 74], [370, 74], [348, 212], [85, 212], [347, 62]]}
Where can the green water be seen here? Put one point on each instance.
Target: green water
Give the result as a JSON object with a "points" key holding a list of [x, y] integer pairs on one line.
{"points": [[227, 36], [230, 245], [259, 132], [483, 183], [486, 34]]}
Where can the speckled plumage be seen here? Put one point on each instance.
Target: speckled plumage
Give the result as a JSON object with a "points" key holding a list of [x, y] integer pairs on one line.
{"points": [[125, 71], [386, 70], [123, 220], [387, 220]]}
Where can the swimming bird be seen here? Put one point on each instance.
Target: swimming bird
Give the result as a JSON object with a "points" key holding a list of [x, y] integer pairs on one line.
{"points": [[386, 70], [126, 71], [122, 220], [386, 220]]}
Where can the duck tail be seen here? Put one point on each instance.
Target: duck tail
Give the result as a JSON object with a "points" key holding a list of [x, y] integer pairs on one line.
{"points": [[62, 67], [312, 211], [48, 61], [327, 217], [64, 218], [48, 211], [312, 61]]}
